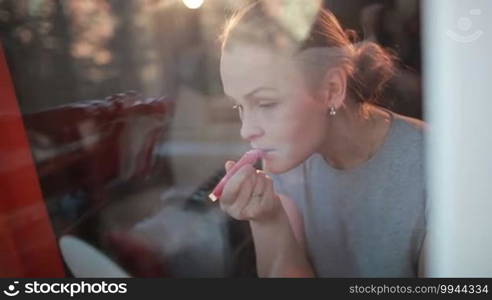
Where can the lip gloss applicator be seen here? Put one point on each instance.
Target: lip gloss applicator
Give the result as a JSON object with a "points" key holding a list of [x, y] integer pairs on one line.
{"points": [[249, 157]]}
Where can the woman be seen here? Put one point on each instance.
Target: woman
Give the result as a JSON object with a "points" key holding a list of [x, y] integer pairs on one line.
{"points": [[341, 193]]}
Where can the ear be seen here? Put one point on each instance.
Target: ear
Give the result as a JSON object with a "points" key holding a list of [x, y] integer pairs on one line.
{"points": [[334, 88]]}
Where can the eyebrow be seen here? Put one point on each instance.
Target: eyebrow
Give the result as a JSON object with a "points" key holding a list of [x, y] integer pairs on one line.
{"points": [[257, 90], [251, 94]]}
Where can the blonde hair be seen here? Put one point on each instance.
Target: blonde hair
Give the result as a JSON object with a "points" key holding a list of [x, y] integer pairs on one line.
{"points": [[368, 66]]}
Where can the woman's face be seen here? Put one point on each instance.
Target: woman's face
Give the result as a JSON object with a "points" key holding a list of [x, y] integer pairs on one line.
{"points": [[278, 112]]}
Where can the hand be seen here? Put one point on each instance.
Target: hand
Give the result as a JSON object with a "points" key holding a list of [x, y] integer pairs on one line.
{"points": [[249, 195]]}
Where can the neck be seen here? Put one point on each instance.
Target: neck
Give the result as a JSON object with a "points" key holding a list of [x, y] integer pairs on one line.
{"points": [[353, 135]]}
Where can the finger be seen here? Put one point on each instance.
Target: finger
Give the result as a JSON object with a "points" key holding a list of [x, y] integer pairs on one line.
{"points": [[232, 204], [260, 185], [269, 194], [244, 198], [233, 185], [268, 204], [257, 196], [229, 164]]}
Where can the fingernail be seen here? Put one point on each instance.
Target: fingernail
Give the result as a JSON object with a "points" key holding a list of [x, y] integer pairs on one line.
{"points": [[229, 165]]}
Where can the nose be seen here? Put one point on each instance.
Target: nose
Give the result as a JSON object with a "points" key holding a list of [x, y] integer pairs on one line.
{"points": [[250, 128]]}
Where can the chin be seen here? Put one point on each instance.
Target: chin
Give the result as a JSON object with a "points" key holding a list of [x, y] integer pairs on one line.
{"points": [[273, 168]]}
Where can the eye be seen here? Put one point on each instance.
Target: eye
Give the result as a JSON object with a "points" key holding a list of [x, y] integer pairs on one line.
{"points": [[267, 105]]}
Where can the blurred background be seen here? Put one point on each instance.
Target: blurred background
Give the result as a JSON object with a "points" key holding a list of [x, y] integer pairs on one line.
{"points": [[128, 127]]}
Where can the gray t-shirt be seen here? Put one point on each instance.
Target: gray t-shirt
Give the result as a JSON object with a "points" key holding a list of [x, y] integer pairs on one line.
{"points": [[368, 221]]}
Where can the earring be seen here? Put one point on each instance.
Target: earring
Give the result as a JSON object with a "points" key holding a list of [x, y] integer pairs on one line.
{"points": [[333, 112]]}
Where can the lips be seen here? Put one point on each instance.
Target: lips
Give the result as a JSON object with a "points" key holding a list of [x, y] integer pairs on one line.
{"points": [[267, 153]]}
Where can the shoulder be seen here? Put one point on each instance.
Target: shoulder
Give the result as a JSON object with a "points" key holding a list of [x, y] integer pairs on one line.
{"points": [[412, 123], [409, 139], [409, 129]]}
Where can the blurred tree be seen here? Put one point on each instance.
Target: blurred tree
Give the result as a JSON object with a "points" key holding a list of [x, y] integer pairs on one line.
{"points": [[123, 47], [35, 35]]}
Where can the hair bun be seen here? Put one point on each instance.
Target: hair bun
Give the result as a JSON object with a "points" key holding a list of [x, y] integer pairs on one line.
{"points": [[374, 67]]}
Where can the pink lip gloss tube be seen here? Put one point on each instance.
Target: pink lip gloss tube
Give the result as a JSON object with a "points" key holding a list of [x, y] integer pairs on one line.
{"points": [[249, 157]]}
